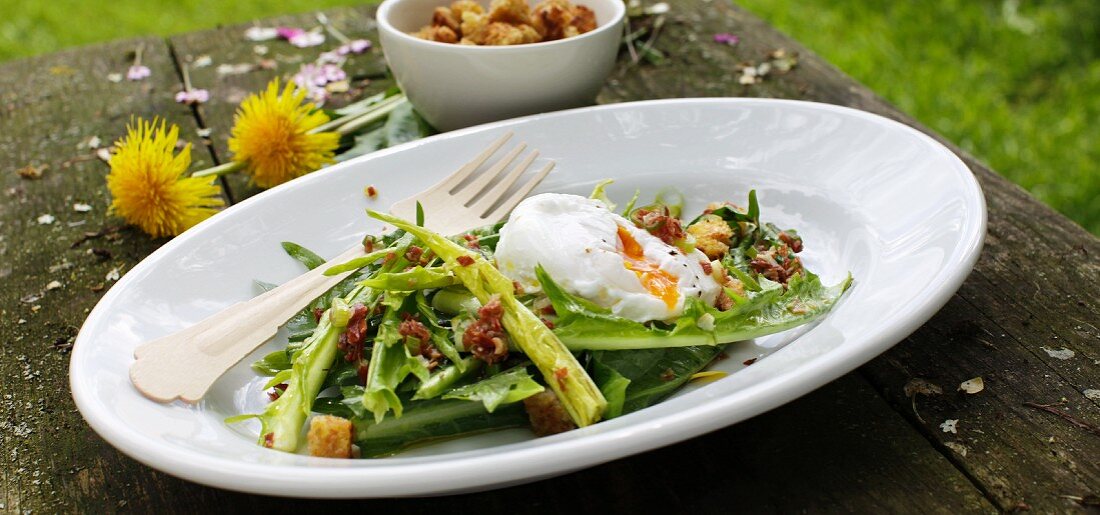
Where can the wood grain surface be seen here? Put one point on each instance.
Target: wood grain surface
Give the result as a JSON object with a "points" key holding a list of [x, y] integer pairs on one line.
{"points": [[859, 444]]}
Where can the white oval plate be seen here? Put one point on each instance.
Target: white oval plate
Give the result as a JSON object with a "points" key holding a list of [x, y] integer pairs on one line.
{"points": [[869, 195]]}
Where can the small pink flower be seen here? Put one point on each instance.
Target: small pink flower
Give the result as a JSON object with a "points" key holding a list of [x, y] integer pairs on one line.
{"points": [[313, 78], [193, 96], [357, 46], [288, 32], [307, 40], [138, 72], [726, 38], [300, 38], [333, 73]]}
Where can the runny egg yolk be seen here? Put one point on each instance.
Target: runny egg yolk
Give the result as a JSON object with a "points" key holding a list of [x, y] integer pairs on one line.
{"points": [[657, 282]]}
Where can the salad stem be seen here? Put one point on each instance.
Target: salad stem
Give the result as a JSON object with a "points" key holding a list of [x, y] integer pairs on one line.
{"points": [[380, 111], [222, 169]]}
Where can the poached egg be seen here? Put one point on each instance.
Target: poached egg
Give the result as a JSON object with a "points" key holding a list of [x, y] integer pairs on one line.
{"points": [[600, 256]]}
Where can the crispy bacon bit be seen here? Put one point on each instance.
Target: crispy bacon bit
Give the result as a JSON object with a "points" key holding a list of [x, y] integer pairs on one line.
{"points": [[660, 223], [351, 340], [548, 310], [430, 353], [413, 254], [485, 338], [472, 241], [372, 191], [749, 361], [547, 414], [317, 312], [269, 440], [277, 391], [517, 287], [777, 264], [465, 260], [723, 302], [549, 324], [390, 256], [794, 242], [560, 375], [412, 328], [707, 268]]}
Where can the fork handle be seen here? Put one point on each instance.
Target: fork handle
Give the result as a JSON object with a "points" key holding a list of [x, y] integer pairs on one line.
{"points": [[184, 365]]}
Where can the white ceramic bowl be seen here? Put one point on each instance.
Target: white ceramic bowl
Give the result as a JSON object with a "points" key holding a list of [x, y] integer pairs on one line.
{"points": [[455, 86]]}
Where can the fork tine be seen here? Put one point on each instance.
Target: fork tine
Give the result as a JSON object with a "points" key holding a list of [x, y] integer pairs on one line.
{"points": [[481, 207], [507, 206], [456, 178], [472, 190]]}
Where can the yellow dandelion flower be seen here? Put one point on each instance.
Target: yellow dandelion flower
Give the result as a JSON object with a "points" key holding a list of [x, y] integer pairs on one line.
{"points": [[148, 186], [271, 136]]}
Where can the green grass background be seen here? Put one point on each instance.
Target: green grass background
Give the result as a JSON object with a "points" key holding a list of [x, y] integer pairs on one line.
{"points": [[1015, 82]]}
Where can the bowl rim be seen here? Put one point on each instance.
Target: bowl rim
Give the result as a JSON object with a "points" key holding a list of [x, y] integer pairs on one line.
{"points": [[384, 25]]}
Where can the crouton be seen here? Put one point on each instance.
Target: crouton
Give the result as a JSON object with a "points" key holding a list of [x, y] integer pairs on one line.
{"points": [[473, 26], [330, 437], [507, 22], [551, 17], [583, 19], [712, 236], [444, 17], [463, 6], [547, 414], [441, 34], [530, 35], [515, 12]]}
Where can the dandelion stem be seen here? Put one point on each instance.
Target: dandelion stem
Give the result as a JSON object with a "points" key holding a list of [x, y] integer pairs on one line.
{"points": [[137, 54], [323, 20], [334, 124], [186, 77], [629, 40], [371, 116], [222, 169], [657, 24]]}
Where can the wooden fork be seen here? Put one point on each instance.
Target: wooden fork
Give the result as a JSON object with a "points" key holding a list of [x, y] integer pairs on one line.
{"points": [[185, 364]]}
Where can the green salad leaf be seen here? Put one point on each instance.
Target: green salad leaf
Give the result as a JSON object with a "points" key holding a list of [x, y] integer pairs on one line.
{"points": [[415, 278], [645, 377], [272, 363], [390, 363], [303, 255], [504, 388], [582, 325], [431, 420]]}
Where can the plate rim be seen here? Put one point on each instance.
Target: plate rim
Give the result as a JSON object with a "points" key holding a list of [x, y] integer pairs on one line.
{"points": [[348, 481]]}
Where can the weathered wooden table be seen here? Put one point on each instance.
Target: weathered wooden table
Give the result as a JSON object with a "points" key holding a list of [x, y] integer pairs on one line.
{"points": [[1026, 319]]}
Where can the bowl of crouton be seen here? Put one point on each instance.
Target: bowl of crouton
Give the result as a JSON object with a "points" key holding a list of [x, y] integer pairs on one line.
{"points": [[467, 62]]}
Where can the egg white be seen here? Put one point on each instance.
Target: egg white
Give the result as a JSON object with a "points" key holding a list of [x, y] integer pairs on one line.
{"points": [[576, 241]]}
